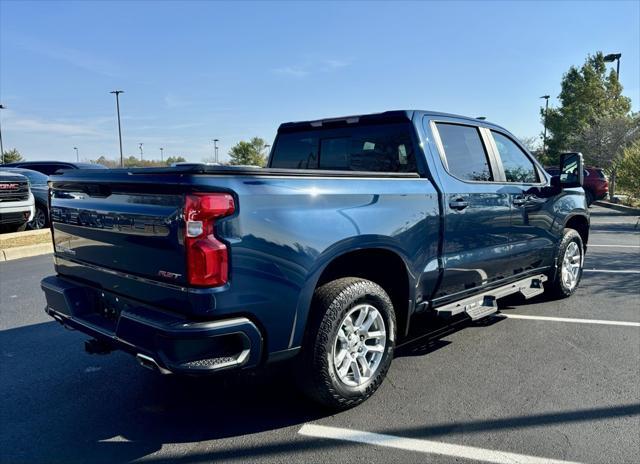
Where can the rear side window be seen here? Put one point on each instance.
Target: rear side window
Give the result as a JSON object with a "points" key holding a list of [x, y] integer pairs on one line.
{"points": [[517, 165], [464, 152], [375, 148]]}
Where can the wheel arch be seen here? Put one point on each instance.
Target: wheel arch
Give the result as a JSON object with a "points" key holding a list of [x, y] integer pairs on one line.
{"points": [[579, 223], [376, 259]]}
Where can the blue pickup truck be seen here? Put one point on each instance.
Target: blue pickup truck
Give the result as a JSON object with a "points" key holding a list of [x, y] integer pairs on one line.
{"points": [[327, 257]]}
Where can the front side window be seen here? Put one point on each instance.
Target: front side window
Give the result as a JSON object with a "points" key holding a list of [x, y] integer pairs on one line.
{"points": [[464, 151], [517, 165]]}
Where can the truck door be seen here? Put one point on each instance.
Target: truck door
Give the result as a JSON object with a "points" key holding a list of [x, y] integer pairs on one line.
{"points": [[531, 240], [476, 211]]}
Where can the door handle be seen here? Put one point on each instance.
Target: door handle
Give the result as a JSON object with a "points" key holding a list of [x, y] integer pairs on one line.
{"points": [[458, 204]]}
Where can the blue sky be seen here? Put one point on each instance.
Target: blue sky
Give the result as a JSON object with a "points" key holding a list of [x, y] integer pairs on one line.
{"points": [[193, 71]]}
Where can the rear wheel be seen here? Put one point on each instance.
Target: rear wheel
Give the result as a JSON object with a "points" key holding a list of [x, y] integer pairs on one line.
{"points": [[349, 344], [570, 261]]}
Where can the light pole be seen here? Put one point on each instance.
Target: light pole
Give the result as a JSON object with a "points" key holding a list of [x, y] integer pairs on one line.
{"points": [[610, 58], [544, 136], [140, 145], [215, 150], [2, 107], [77, 155], [161, 154], [117, 94]]}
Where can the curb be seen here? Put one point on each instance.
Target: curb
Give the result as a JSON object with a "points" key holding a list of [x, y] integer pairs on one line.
{"points": [[28, 237], [26, 251], [625, 209]]}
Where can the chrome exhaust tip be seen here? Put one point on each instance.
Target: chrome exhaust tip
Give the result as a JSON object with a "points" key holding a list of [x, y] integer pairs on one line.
{"points": [[150, 363]]}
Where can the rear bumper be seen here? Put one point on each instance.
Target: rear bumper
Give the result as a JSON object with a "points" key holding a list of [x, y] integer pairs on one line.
{"points": [[170, 342]]}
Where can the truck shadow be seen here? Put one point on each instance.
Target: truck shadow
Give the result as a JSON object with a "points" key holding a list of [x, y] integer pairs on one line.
{"points": [[62, 405], [108, 409]]}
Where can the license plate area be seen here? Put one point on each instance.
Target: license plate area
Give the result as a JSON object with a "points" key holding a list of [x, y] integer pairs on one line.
{"points": [[103, 311]]}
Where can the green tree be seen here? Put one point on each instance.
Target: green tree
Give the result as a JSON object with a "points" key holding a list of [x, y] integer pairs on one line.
{"points": [[11, 156], [106, 162], [588, 93], [629, 169], [249, 153], [174, 159]]}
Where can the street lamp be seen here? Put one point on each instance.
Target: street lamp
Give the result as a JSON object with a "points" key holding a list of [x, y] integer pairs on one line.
{"points": [[161, 154], [610, 58], [77, 155], [544, 136], [140, 145], [215, 150], [117, 94], [2, 107]]}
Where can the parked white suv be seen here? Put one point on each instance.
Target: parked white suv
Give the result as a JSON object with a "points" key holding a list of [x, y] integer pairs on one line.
{"points": [[17, 205]]}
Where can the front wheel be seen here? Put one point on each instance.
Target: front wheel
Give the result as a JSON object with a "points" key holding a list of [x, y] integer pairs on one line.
{"points": [[39, 220], [570, 261], [349, 344]]}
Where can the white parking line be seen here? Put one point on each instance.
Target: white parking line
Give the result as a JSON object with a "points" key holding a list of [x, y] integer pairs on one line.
{"points": [[613, 231], [614, 246], [423, 446], [612, 271], [570, 319]]}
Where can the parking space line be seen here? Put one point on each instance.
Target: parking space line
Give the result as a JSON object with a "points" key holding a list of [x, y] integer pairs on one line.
{"points": [[613, 231], [614, 246], [612, 271], [423, 446], [570, 319]]}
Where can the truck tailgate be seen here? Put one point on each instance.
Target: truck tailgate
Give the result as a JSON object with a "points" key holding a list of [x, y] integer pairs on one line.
{"points": [[127, 227]]}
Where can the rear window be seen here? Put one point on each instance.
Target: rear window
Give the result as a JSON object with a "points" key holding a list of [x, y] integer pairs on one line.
{"points": [[376, 148], [464, 152]]}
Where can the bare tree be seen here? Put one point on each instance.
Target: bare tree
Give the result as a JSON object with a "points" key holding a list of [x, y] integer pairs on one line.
{"points": [[603, 141], [534, 145]]}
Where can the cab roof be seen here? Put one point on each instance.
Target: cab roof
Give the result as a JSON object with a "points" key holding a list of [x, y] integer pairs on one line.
{"points": [[386, 117]]}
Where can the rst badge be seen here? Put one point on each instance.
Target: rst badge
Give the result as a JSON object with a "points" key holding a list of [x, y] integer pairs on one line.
{"points": [[169, 275]]}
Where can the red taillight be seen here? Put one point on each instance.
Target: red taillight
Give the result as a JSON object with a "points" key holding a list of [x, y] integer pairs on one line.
{"points": [[207, 257]]}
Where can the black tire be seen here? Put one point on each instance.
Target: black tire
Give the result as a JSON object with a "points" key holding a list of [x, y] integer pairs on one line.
{"points": [[556, 287], [590, 198], [36, 223], [331, 304]]}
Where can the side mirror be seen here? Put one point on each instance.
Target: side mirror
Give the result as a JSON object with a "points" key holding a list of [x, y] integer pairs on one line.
{"points": [[571, 170]]}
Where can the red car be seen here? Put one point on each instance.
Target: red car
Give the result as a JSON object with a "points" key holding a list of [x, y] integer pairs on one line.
{"points": [[596, 185]]}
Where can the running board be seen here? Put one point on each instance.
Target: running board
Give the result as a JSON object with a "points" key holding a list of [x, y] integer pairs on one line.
{"points": [[484, 304]]}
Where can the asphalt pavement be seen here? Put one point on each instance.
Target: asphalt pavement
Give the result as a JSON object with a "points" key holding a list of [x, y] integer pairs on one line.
{"points": [[546, 380]]}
